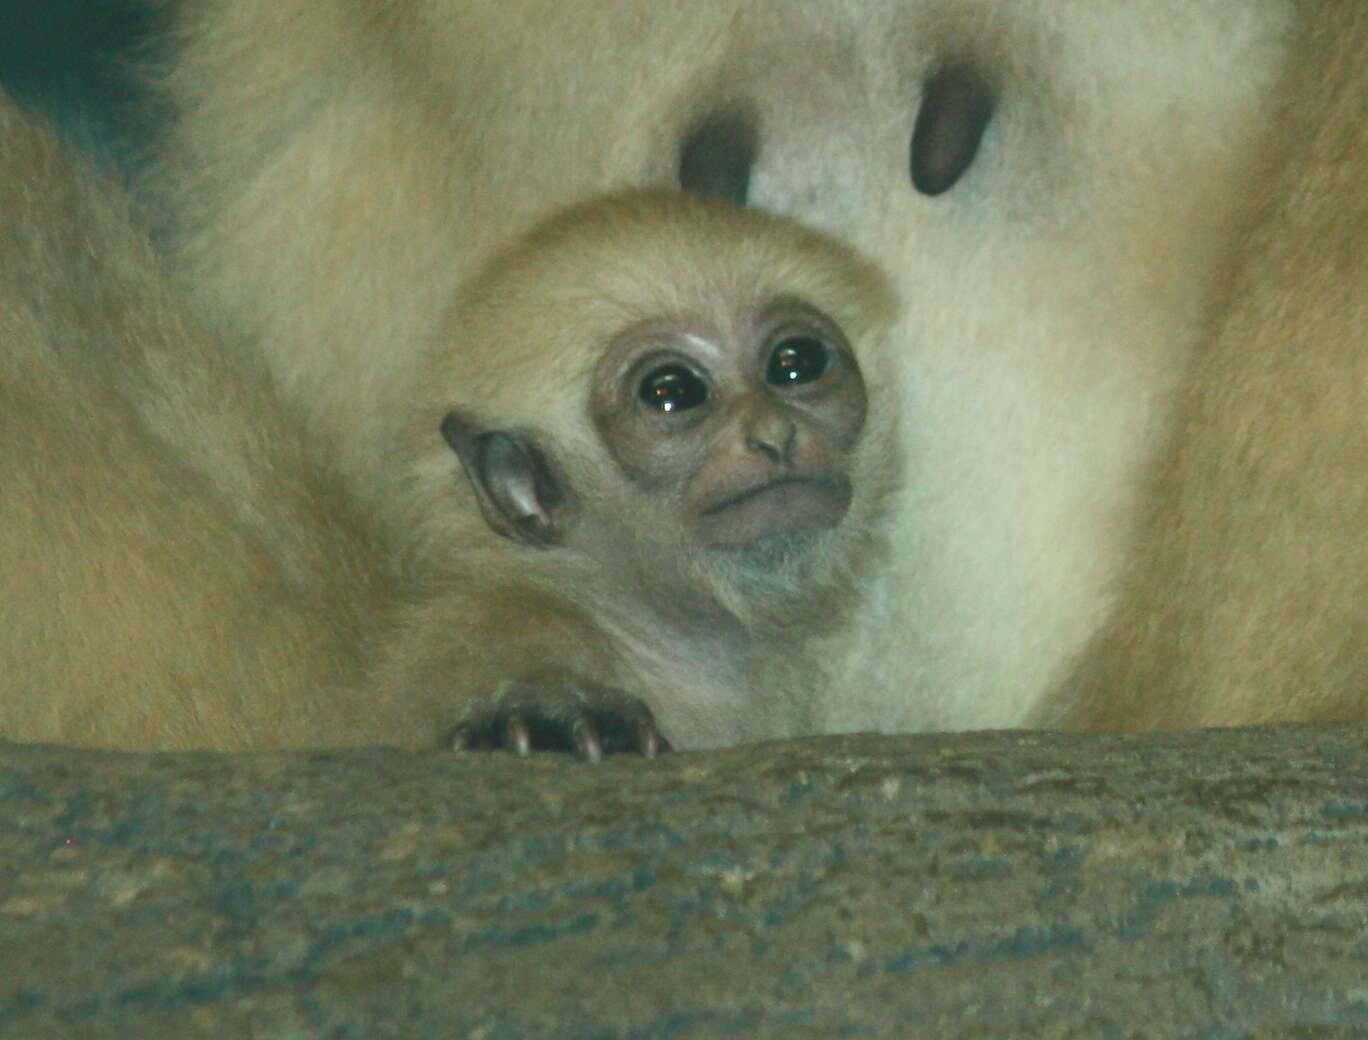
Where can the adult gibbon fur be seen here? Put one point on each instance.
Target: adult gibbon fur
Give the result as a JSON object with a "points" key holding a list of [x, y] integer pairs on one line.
{"points": [[1247, 600], [1058, 192], [174, 571]]}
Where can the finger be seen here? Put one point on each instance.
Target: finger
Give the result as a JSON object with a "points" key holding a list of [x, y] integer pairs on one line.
{"points": [[649, 741], [587, 741], [517, 736]]}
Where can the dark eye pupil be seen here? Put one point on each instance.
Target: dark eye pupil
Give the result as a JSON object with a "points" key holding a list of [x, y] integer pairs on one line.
{"points": [[672, 388], [798, 359]]}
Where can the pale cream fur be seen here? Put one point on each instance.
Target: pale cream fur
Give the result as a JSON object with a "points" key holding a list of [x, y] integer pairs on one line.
{"points": [[1247, 600], [339, 164]]}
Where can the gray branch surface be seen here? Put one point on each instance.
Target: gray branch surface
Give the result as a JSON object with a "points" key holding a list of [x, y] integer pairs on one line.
{"points": [[984, 885]]}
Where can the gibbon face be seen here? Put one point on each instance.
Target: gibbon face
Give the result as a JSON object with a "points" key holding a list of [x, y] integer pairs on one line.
{"points": [[750, 437], [671, 373]]}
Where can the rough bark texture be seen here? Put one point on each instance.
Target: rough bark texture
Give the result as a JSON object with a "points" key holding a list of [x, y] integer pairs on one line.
{"points": [[994, 885]]}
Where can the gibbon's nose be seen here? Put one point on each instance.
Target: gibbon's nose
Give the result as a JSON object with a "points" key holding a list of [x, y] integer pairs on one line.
{"points": [[771, 433]]}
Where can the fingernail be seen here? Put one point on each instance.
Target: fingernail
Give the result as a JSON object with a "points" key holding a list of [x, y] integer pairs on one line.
{"points": [[520, 737]]}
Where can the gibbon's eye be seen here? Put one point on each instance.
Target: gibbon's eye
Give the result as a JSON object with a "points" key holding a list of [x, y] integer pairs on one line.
{"points": [[797, 360], [956, 108], [716, 158], [672, 388]]}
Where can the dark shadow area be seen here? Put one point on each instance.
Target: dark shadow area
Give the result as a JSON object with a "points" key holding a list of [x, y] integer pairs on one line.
{"points": [[75, 62]]}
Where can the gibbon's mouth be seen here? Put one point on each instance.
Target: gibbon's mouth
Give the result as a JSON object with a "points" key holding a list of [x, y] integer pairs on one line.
{"points": [[780, 507]]}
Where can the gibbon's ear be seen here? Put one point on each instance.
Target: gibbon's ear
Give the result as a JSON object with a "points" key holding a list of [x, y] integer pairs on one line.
{"points": [[518, 494]]}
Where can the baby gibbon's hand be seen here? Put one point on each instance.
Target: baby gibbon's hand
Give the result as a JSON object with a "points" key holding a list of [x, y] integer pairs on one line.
{"points": [[559, 713]]}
